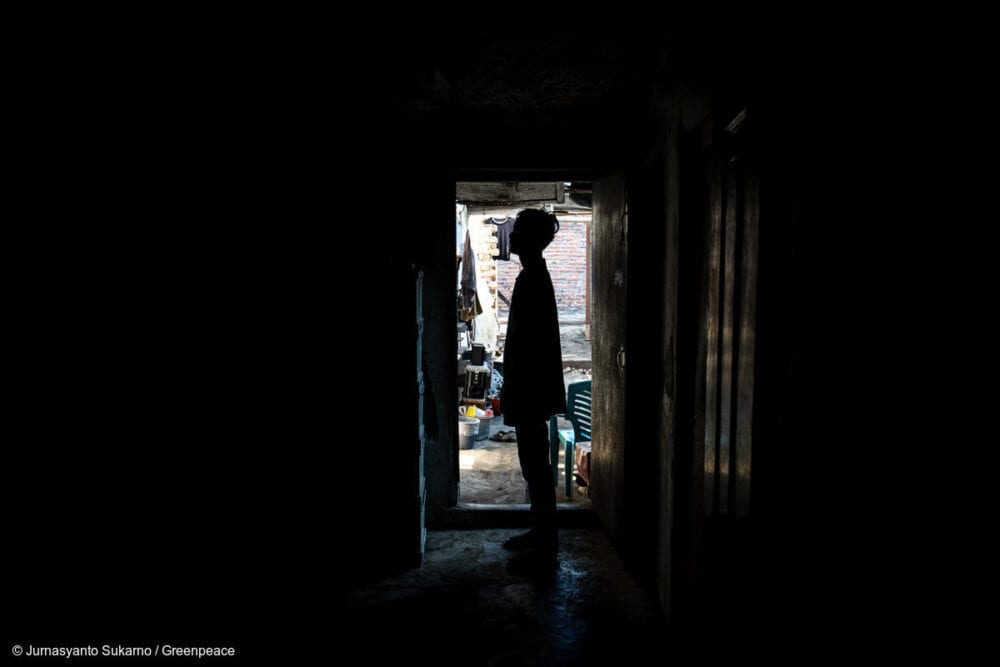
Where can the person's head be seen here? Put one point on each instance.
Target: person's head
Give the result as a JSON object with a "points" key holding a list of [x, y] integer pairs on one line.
{"points": [[533, 231]]}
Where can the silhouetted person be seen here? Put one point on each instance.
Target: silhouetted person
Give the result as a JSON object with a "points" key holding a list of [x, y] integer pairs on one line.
{"points": [[533, 388]]}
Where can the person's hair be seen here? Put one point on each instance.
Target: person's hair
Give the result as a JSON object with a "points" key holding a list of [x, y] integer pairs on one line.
{"points": [[536, 227]]}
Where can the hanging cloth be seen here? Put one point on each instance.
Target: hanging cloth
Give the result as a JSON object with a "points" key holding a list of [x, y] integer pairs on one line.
{"points": [[503, 225], [470, 306]]}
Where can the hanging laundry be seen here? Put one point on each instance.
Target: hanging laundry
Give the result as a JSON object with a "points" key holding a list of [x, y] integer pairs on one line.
{"points": [[470, 306], [504, 225]]}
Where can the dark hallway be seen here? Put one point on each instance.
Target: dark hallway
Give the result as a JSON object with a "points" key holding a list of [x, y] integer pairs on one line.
{"points": [[270, 327], [697, 144]]}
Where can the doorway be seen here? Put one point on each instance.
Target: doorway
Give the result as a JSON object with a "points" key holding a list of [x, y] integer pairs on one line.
{"points": [[489, 471]]}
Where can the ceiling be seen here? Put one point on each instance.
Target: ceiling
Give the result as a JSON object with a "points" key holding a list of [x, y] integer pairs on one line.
{"points": [[496, 69], [502, 101]]}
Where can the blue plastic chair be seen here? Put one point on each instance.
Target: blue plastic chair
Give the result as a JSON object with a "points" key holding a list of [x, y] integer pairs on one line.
{"points": [[578, 413]]}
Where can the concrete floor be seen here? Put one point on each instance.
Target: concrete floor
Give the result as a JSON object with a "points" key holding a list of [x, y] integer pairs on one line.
{"points": [[490, 472], [462, 608]]}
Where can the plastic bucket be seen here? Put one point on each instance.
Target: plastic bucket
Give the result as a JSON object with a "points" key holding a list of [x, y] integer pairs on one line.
{"points": [[484, 428], [468, 430]]}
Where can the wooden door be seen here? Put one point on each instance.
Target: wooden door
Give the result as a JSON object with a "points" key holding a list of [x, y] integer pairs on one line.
{"points": [[610, 268]]}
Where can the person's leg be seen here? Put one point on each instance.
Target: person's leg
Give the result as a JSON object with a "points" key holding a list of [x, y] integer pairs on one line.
{"points": [[533, 452]]}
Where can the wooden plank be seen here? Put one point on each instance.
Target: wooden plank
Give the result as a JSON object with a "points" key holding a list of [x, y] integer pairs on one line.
{"points": [[726, 365], [713, 259], [608, 408], [508, 194], [748, 327]]}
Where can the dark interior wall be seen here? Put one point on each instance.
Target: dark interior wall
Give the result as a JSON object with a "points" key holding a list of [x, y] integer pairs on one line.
{"points": [[694, 493], [674, 397], [405, 466], [739, 323], [644, 364], [663, 249], [392, 502], [786, 462], [437, 259], [199, 357], [688, 212], [220, 371]]}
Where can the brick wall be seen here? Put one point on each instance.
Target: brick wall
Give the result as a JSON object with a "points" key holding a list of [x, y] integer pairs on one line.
{"points": [[567, 262]]}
